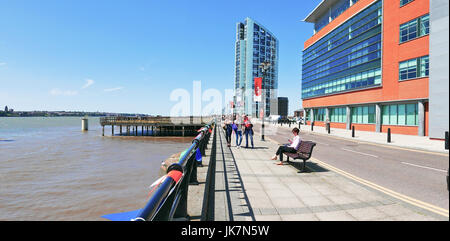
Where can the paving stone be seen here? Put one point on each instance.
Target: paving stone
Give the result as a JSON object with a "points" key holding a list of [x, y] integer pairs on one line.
{"points": [[368, 213], [299, 217], [334, 216]]}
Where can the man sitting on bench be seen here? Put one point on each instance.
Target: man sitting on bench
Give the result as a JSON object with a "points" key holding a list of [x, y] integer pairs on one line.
{"points": [[292, 148]]}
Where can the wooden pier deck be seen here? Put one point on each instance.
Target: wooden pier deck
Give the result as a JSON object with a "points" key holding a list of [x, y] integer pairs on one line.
{"points": [[155, 126]]}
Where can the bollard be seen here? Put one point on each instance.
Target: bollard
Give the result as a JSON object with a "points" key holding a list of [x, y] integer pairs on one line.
{"points": [[353, 131], [389, 135], [446, 140], [312, 126], [289, 124], [328, 128]]}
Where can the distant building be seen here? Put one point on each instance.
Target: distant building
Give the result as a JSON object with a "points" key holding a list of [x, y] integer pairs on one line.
{"points": [[254, 45], [283, 105], [6, 108]]}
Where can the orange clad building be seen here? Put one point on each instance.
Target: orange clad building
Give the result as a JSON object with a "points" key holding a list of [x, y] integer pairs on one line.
{"points": [[367, 65]]}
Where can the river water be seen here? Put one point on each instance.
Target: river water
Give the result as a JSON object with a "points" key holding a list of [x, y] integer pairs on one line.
{"points": [[51, 170]]}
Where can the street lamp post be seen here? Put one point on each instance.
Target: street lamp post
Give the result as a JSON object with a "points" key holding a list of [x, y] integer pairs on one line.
{"points": [[264, 68]]}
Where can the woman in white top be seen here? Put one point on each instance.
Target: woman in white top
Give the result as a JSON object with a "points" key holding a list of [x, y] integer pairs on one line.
{"points": [[292, 148]]}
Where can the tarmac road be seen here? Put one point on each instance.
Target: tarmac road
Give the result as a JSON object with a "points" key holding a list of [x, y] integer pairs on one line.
{"points": [[416, 174]]}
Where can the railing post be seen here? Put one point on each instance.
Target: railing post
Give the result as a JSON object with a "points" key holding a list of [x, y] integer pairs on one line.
{"points": [[353, 131]]}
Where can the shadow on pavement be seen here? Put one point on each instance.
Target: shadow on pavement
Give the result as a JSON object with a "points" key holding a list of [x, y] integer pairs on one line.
{"points": [[310, 166]]}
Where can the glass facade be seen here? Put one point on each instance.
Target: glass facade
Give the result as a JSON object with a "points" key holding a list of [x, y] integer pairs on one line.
{"points": [[319, 114], [414, 68], [346, 59], [415, 28], [338, 115], [363, 114], [308, 115], [401, 114]]}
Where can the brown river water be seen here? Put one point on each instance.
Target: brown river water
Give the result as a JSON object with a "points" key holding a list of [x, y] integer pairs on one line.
{"points": [[51, 170]]}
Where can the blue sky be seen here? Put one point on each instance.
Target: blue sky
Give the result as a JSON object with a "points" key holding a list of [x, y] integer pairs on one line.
{"points": [[128, 56]]}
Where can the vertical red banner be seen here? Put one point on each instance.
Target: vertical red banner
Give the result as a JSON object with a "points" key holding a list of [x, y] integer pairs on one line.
{"points": [[258, 87]]}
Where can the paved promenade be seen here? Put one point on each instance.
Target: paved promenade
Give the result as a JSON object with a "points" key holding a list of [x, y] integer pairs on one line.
{"points": [[249, 186]]}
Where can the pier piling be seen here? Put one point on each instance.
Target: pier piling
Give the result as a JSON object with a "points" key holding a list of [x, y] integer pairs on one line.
{"points": [[84, 124]]}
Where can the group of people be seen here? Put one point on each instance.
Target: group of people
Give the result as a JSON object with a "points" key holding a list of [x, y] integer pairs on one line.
{"points": [[239, 127]]}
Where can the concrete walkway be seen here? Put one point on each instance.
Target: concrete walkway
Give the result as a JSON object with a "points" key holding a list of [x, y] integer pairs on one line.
{"points": [[398, 140], [231, 202], [254, 188]]}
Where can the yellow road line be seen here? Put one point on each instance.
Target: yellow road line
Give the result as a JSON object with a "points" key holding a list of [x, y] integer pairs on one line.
{"points": [[415, 202]]}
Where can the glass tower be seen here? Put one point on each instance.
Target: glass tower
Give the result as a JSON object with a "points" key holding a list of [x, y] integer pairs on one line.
{"points": [[255, 45]]}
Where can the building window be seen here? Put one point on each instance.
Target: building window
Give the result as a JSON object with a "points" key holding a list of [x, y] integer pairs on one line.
{"points": [[424, 25], [415, 28], [408, 31], [319, 114], [339, 8], [401, 114], [359, 80], [363, 114], [424, 66], [414, 68], [338, 115], [404, 2]]}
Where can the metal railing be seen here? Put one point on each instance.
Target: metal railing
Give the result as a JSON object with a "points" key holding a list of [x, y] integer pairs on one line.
{"points": [[168, 201]]}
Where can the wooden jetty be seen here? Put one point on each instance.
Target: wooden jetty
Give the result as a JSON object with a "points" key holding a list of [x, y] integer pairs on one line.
{"points": [[155, 126]]}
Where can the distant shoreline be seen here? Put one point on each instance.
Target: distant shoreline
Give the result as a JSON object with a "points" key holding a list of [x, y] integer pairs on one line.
{"points": [[63, 114]]}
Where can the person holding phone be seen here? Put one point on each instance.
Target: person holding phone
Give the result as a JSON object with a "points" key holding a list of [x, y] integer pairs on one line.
{"points": [[291, 148]]}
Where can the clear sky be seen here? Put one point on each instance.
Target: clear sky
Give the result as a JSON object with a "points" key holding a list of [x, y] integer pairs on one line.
{"points": [[129, 55]]}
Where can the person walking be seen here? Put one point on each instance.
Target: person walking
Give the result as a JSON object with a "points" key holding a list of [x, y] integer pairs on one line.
{"points": [[237, 127], [248, 131], [228, 131], [292, 148]]}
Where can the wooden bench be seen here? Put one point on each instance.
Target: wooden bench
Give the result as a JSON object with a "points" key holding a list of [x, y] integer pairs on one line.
{"points": [[304, 152]]}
